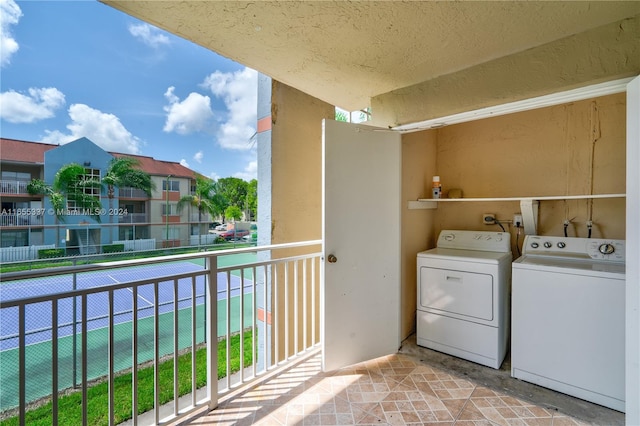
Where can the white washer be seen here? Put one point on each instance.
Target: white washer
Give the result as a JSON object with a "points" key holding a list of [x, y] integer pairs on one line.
{"points": [[568, 321], [463, 296]]}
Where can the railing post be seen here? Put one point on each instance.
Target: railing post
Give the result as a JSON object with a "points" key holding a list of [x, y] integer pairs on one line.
{"points": [[211, 296], [74, 330]]}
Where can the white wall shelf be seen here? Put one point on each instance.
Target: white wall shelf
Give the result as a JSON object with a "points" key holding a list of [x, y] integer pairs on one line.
{"points": [[528, 205], [545, 198]]}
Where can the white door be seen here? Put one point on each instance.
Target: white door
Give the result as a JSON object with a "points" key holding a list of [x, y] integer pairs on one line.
{"points": [[633, 254], [361, 243]]}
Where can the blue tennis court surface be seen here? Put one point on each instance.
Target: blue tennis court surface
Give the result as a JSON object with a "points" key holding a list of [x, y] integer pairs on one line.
{"points": [[38, 319]]}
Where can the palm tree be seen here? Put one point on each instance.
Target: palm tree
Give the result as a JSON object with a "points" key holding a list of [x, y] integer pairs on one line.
{"points": [[205, 198], [69, 184], [124, 172]]}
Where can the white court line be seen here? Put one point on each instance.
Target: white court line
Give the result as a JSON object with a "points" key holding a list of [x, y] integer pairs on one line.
{"points": [[129, 288], [149, 302]]}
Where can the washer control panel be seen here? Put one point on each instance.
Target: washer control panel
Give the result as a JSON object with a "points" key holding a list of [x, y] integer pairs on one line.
{"points": [[475, 240], [573, 247]]}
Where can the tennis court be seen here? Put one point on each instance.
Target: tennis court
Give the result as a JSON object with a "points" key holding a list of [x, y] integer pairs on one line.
{"points": [[38, 321]]}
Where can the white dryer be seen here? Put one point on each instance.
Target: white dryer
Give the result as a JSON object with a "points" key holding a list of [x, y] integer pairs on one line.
{"points": [[463, 295]]}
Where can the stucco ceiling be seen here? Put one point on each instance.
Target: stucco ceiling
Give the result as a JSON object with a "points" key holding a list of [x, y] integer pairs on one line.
{"points": [[347, 52]]}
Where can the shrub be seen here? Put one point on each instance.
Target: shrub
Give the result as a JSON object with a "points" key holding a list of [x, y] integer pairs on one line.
{"points": [[113, 248], [50, 253]]}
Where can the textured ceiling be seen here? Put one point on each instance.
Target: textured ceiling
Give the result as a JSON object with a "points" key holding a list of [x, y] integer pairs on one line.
{"points": [[347, 52]]}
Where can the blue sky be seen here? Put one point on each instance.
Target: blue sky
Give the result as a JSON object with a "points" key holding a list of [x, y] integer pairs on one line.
{"points": [[80, 68]]}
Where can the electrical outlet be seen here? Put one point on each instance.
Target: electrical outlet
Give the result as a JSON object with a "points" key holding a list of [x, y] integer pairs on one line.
{"points": [[517, 220], [489, 218]]}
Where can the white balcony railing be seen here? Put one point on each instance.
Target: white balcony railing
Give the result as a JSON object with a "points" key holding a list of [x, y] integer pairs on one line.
{"points": [[126, 192], [73, 328], [133, 218], [20, 219], [15, 187]]}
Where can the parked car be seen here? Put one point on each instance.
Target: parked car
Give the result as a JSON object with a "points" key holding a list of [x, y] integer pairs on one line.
{"points": [[234, 233], [222, 227], [253, 237], [213, 225]]}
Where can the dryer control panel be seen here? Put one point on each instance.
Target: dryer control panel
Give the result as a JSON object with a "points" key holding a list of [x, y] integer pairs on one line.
{"points": [[475, 240]]}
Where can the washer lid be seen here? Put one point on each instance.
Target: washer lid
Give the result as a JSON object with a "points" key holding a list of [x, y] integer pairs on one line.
{"points": [[564, 264]]}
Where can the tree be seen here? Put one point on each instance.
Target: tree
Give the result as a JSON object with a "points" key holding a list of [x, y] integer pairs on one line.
{"points": [[342, 116], [205, 198], [234, 191], [69, 184], [233, 213], [124, 172], [252, 197]]}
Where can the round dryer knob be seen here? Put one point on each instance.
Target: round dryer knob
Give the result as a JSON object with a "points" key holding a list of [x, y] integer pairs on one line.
{"points": [[606, 248], [547, 244], [534, 245], [561, 245]]}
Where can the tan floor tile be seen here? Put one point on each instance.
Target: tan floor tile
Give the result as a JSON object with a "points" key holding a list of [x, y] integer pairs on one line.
{"points": [[392, 390], [507, 413], [482, 392], [539, 411], [394, 418], [454, 406], [471, 412], [328, 419]]}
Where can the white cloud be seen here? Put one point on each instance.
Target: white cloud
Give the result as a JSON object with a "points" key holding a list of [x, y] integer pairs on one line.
{"points": [[250, 172], [190, 115], [151, 36], [184, 163], [38, 104], [198, 156], [104, 129], [10, 14], [214, 176], [239, 91]]}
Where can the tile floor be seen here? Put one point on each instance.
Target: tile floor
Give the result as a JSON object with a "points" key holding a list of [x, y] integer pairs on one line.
{"points": [[397, 389]]}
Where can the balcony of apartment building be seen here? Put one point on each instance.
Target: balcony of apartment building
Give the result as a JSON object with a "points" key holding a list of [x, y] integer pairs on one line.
{"points": [[19, 208], [13, 187], [21, 217], [133, 206], [156, 346], [131, 193], [14, 180]]}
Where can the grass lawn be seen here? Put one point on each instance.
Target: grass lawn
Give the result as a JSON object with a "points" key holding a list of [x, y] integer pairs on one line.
{"points": [[70, 406]]}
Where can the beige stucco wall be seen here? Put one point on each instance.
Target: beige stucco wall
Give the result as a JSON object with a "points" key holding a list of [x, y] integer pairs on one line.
{"points": [[296, 164], [296, 182], [418, 167], [544, 152], [601, 54]]}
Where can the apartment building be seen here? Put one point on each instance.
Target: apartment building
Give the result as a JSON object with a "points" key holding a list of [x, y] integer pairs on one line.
{"points": [[29, 220]]}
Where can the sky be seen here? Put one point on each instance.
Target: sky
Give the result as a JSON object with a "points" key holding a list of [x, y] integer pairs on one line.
{"points": [[72, 69]]}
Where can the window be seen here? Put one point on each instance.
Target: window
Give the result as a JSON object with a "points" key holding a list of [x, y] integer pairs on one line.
{"points": [[17, 176], [14, 238], [173, 185], [166, 209], [89, 174]]}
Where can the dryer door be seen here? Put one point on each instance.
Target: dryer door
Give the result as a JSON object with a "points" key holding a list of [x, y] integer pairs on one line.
{"points": [[464, 295]]}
